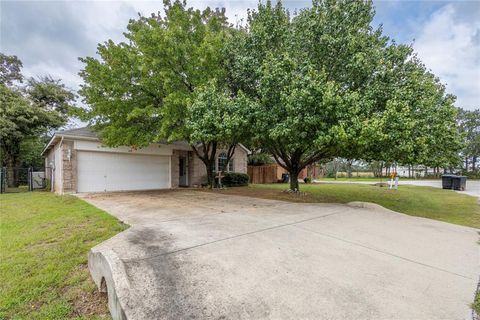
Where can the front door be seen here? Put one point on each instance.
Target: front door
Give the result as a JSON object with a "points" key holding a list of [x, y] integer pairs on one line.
{"points": [[182, 172]]}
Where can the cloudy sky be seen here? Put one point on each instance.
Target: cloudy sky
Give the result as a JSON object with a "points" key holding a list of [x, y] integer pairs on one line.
{"points": [[49, 36]]}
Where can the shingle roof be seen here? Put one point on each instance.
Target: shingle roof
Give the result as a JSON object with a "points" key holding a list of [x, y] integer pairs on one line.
{"points": [[88, 132], [79, 132]]}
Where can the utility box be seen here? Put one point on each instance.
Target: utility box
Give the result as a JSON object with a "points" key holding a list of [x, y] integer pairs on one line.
{"points": [[447, 181], [459, 183]]}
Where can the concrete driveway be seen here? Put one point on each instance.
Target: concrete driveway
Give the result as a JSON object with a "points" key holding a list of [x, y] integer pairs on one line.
{"points": [[197, 255]]}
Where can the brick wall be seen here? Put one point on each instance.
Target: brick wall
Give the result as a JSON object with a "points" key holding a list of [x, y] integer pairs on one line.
{"points": [[198, 173], [175, 168]]}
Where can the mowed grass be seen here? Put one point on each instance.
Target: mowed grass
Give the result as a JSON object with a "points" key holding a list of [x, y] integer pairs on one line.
{"points": [[44, 244], [427, 202], [476, 303]]}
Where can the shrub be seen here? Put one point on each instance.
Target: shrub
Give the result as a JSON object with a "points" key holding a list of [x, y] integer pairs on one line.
{"points": [[471, 174], [235, 179], [307, 180], [331, 174], [259, 159]]}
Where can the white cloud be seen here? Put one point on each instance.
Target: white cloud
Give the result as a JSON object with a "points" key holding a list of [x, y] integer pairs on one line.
{"points": [[49, 36], [449, 45]]}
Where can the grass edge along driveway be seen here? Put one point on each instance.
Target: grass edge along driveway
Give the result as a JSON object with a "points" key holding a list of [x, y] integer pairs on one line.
{"points": [[426, 202], [44, 244]]}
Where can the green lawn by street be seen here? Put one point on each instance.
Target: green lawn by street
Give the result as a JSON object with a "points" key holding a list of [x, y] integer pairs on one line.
{"points": [[428, 202], [476, 303], [44, 243], [367, 179]]}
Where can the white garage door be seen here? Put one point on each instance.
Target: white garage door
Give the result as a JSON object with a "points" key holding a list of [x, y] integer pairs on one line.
{"points": [[103, 171]]}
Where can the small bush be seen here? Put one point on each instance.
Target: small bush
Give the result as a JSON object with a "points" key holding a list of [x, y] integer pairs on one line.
{"points": [[235, 179], [307, 180], [471, 174], [331, 174], [259, 159]]}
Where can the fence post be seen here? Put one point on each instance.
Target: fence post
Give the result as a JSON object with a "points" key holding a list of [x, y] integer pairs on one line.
{"points": [[30, 179]]}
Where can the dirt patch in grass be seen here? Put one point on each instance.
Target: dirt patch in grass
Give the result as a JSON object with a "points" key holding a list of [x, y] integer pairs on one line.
{"points": [[90, 304], [86, 299]]}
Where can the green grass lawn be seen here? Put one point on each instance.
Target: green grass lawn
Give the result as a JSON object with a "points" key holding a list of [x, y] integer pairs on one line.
{"points": [[44, 243], [427, 202], [367, 179], [476, 303]]}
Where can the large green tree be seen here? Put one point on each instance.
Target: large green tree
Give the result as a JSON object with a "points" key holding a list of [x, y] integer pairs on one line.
{"points": [[166, 82], [217, 120], [469, 125], [417, 124], [28, 113], [330, 85], [309, 75]]}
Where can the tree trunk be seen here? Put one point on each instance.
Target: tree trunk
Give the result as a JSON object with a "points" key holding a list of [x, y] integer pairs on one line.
{"points": [[474, 163], [335, 168], [208, 157], [466, 164], [349, 168], [12, 172], [293, 180], [210, 174]]}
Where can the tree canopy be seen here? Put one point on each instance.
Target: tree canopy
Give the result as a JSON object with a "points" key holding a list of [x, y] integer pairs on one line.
{"points": [[138, 91], [320, 84], [328, 85], [167, 82], [469, 125], [28, 112]]}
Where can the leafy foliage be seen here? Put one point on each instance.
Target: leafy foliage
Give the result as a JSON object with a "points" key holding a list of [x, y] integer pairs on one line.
{"points": [[167, 82], [469, 126], [10, 67], [139, 91], [259, 159], [309, 88], [235, 179], [28, 112], [329, 85]]}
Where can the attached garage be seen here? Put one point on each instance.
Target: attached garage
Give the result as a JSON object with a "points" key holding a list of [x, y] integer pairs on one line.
{"points": [[77, 161], [107, 171]]}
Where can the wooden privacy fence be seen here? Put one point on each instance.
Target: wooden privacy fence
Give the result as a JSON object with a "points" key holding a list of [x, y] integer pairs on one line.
{"points": [[265, 174]]}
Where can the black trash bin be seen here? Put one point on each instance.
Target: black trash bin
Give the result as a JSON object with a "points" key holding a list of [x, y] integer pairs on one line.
{"points": [[447, 181], [459, 183], [285, 177]]}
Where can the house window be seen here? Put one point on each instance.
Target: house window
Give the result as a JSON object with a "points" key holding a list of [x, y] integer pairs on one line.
{"points": [[222, 161]]}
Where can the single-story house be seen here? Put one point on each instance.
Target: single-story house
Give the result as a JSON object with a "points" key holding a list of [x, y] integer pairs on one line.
{"points": [[76, 161]]}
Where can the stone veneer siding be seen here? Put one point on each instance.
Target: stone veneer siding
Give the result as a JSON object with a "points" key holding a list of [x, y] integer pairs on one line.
{"points": [[198, 175], [69, 167]]}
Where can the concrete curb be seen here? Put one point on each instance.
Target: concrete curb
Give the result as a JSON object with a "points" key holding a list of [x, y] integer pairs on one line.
{"points": [[108, 273]]}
